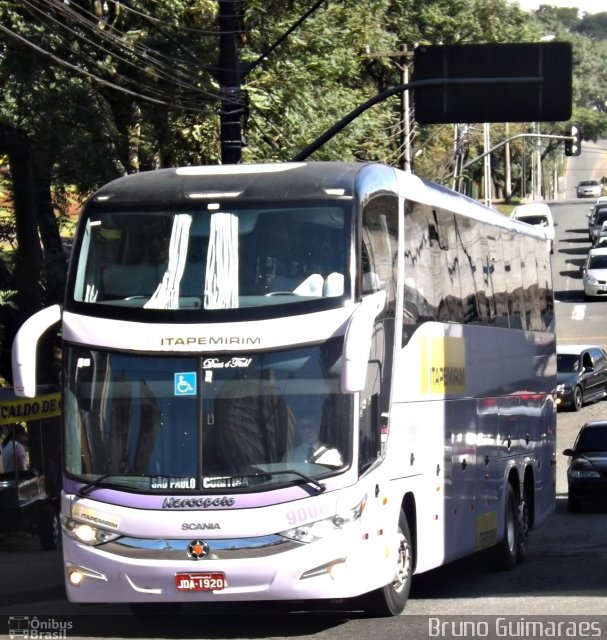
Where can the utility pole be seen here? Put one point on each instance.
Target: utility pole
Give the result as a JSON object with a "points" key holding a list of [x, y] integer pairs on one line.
{"points": [[507, 166], [405, 112], [230, 72], [232, 96], [487, 187], [403, 56]]}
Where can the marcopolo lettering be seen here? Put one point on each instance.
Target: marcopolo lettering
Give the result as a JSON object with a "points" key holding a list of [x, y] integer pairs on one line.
{"points": [[198, 503]]}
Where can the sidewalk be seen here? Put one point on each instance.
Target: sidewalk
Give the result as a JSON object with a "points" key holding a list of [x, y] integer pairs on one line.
{"points": [[28, 574]]}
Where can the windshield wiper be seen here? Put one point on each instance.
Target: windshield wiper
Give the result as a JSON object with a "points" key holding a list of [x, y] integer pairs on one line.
{"points": [[93, 484], [319, 486], [98, 482]]}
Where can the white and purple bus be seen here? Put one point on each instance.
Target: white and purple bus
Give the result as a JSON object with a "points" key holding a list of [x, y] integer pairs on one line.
{"points": [[212, 312]]}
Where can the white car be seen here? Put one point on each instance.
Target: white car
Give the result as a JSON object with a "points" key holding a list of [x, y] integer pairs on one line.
{"points": [[589, 189], [594, 273], [540, 215]]}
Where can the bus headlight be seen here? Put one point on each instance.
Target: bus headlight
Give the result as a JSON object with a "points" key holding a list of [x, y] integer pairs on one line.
{"points": [[86, 533], [324, 528]]}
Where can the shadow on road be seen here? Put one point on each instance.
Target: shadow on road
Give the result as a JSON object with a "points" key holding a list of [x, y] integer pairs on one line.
{"points": [[567, 555]]}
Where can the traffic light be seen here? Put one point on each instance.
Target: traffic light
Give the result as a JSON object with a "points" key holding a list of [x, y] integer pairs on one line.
{"points": [[573, 147]]}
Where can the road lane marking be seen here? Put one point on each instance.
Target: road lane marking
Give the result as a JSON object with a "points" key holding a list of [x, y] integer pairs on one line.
{"points": [[578, 312]]}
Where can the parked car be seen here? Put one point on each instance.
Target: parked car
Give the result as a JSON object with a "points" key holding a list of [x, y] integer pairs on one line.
{"points": [[540, 215], [596, 217], [589, 189], [587, 471], [594, 273], [581, 372]]}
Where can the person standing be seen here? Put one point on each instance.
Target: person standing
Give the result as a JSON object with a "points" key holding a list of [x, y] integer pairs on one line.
{"points": [[13, 454]]}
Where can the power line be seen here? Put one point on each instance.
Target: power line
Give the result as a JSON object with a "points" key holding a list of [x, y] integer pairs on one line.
{"points": [[169, 72], [92, 76]]}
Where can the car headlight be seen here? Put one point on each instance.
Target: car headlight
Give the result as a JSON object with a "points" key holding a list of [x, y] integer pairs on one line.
{"points": [[583, 472], [86, 533], [324, 528], [590, 279], [562, 388]]}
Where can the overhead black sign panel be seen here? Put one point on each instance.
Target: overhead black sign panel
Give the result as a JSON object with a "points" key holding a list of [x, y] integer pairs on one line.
{"points": [[528, 82]]}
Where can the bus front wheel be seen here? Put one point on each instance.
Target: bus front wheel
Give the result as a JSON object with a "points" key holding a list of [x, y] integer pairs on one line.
{"points": [[391, 599]]}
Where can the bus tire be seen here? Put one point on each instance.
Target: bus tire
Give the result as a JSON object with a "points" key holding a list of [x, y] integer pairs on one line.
{"points": [[391, 599], [506, 551], [524, 520]]}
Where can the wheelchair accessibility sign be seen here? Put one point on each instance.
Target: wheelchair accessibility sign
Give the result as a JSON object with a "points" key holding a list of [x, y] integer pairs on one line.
{"points": [[184, 384]]}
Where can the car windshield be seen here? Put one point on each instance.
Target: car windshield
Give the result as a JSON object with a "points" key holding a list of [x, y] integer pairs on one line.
{"points": [[600, 216], [588, 183], [538, 219], [592, 439], [567, 362], [597, 262]]}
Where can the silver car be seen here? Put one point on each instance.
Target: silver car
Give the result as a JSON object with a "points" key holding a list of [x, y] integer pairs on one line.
{"points": [[589, 189], [594, 273]]}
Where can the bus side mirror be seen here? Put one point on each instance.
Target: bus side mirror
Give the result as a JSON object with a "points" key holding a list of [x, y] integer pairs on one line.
{"points": [[357, 342], [25, 347]]}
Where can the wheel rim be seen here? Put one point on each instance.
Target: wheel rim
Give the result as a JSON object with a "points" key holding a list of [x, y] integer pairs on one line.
{"points": [[403, 568], [511, 529], [577, 398]]}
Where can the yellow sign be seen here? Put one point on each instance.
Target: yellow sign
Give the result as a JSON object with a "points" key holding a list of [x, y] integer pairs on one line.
{"points": [[25, 409], [486, 530], [443, 362]]}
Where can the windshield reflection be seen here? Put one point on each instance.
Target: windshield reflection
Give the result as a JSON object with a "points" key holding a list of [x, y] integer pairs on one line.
{"points": [[211, 423]]}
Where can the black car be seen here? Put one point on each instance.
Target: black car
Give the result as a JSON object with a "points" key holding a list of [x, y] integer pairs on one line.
{"points": [[581, 375], [587, 472]]}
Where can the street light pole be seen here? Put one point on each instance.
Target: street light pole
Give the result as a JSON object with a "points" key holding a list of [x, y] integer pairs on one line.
{"points": [[405, 113]]}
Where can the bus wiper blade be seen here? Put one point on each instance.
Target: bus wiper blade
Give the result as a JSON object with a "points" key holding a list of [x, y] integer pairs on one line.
{"points": [[320, 486], [97, 482], [93, 484]]}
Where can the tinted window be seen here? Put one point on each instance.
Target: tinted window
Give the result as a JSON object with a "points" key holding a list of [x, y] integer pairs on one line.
{"points": [[567, 362], [592, 439], [598, 357]]}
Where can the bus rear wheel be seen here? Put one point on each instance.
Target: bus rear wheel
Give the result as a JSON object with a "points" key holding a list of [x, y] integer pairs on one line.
{"points": [[391, 599], [506, 552]]}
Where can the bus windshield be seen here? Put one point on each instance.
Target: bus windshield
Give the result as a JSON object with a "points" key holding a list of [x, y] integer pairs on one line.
{"points": [[216, 257], [158, 423]]}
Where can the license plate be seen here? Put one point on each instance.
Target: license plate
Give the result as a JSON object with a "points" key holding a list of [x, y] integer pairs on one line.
{"points": [[215, 581]]}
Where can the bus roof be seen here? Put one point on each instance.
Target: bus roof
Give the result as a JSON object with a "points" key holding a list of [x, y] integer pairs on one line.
{"points": [[292, 180]]}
